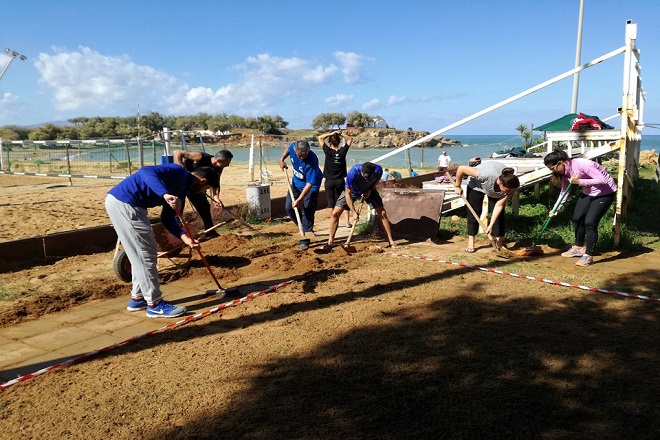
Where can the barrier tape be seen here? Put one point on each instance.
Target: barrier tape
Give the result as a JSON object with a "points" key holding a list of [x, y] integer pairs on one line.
{"points": [[168, 327], [527, 277]]}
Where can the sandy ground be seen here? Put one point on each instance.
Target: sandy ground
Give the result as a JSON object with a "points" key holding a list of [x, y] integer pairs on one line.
{"points": [[365, 344]]}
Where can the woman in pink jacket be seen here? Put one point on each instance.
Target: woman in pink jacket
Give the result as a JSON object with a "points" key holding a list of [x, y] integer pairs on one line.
{"points": [[598, 192]]}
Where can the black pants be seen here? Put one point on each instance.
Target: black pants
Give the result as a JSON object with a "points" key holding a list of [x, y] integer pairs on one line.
{"points": [[201, 204], [333, 189], [586, 216], [476, 199]]}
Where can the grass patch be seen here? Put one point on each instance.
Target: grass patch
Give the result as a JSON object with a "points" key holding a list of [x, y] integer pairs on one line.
{"points": [[639, 228], [6, 296]]}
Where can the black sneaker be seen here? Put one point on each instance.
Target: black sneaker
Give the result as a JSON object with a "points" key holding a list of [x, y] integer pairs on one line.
{"points": [[303, 245]]}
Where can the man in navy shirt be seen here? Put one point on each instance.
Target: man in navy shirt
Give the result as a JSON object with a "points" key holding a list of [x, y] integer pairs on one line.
{"points": [[158, 185], [361, 182], [305, 185]]}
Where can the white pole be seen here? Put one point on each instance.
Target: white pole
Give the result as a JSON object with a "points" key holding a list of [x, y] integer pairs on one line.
{"points": [[166, 137], [578, 49], [503, 103], [251, 160], [2, 161]]}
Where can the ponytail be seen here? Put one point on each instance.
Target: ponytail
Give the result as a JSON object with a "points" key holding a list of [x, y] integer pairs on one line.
{"points": [[509, 178]]}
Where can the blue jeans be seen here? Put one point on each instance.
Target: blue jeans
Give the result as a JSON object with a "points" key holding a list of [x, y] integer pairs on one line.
{"points": [[308, 209]]}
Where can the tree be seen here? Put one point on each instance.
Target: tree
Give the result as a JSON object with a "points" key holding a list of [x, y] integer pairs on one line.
{"points": [[325, 121], [525, 136], [360, 119]]}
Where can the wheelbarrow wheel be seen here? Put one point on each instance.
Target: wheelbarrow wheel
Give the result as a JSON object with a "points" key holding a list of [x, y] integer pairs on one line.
{"points": [[122, 266]]}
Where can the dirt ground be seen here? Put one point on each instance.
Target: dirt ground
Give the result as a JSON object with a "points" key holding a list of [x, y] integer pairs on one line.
{"points": [[364, 344]]}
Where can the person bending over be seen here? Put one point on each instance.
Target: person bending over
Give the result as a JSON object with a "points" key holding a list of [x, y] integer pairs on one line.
{"points": [[598, 192], [361, 183], [126, 203], [305, 185], [191, 160], [498, 183]]}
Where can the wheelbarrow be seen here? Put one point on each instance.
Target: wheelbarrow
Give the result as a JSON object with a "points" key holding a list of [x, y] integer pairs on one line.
{"points": [[169, 247]]}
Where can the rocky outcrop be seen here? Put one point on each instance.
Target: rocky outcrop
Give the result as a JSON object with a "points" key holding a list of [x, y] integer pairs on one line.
{"points": [[392, 138]]}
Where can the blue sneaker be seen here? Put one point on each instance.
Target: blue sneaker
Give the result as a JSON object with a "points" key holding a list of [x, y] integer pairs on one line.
{"points": [[136, 304], [165, 310]]}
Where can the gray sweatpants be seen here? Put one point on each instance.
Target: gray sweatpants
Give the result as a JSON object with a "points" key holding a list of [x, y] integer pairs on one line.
{"points": [[134, 231]]}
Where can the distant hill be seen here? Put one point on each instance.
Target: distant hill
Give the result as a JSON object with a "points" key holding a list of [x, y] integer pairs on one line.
{"points": [[55, 123]]}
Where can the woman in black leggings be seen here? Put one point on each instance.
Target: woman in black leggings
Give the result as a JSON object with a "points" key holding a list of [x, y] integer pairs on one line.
{"points": [[598, 192]]}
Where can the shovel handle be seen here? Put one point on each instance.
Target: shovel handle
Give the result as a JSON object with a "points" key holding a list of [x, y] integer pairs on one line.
{"points": [[350, 234], [199, 251], [481, 223], [288, 182]]}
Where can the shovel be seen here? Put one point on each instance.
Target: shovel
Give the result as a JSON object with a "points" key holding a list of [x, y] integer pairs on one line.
{"points": [[537, 250], [220, 289], [235, 216], [293, 197], [504, 253], [347, 247]]}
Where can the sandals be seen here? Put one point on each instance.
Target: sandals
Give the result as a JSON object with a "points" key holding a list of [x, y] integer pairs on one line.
{"points": [[470, 250]]}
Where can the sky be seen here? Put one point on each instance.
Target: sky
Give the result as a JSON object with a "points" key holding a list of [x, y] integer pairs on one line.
{"points": [[420, 64]]}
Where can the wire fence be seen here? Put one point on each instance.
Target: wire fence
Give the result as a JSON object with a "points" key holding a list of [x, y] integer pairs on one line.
{"points": [[120, 158]]}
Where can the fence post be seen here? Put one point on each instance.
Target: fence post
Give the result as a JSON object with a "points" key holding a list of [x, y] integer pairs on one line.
{"points": [[2, 162], [128, 158], [68, 163]]}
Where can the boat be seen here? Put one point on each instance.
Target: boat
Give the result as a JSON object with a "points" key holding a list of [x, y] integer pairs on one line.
{"points": [[509, 152]]}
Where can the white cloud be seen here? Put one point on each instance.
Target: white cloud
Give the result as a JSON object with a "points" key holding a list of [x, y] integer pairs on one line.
{"points": [[338, 100], [395, 100], [265, 81], [371, 104], [9, 105], [86, 80], [351, 66]]}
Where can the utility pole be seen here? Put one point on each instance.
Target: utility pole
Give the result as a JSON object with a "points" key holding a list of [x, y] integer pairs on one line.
{"points": [[578, 49]]}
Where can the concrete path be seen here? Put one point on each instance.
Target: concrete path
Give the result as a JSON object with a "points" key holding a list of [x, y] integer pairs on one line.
{"points": [[52, 339]]}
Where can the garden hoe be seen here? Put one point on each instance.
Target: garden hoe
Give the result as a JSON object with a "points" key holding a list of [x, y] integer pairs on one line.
{"points": [[501, 252], [220, 291], [538, 250]]}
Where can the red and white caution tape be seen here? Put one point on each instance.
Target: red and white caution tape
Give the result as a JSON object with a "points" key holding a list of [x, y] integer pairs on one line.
{"points": [[171, 326], [527, 277]]}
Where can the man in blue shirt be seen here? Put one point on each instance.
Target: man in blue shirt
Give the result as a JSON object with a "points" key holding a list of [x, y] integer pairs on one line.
{"points": [[361, 181], [305, 185], [126, 203]]}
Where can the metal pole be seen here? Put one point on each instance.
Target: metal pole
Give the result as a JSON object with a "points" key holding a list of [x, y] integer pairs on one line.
{"points": [[578, 49], [503, 103]]}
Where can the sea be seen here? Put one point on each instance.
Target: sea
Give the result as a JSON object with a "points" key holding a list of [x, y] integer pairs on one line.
{"points": [[472, 146]]}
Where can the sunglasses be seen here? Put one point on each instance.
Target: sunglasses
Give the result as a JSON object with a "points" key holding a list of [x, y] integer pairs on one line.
{"points": [[555, 166]]}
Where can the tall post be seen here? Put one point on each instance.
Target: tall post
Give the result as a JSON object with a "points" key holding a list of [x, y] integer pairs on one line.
{"points": [[578, 50], [68, 163], [251, 160], [2, 161]]}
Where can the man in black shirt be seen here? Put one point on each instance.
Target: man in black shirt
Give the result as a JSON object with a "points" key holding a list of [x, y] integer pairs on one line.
{"points": [[191, 160]]}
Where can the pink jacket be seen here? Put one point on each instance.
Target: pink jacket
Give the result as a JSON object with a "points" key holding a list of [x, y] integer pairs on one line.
{"points": [[594, 179]]}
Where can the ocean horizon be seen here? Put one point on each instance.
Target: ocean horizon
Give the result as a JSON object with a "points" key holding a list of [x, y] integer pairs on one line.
{"points": [[472, 146]]}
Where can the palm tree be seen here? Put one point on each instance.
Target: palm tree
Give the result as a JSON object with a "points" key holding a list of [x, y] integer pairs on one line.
{"points": [[525, 135]]}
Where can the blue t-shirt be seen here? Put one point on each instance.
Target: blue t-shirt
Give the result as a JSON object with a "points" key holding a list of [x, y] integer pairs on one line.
{"points": [[146, 188], [305, 171], [356, 181]]}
